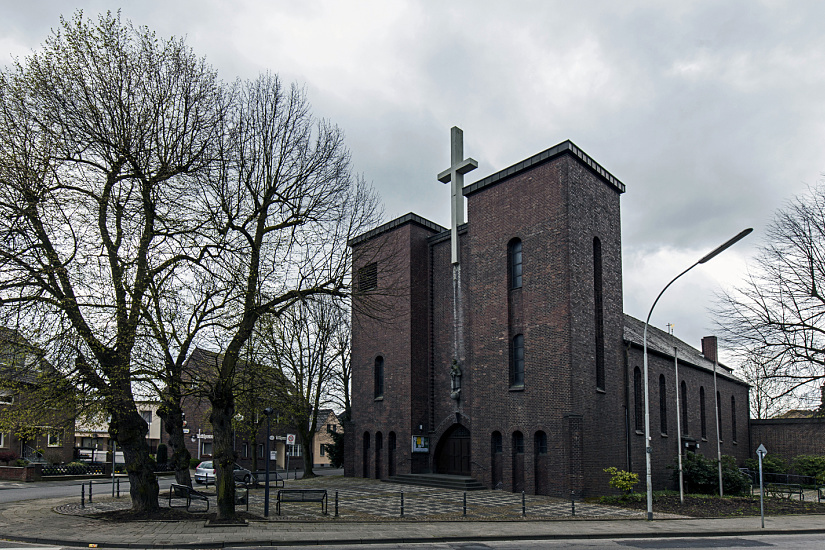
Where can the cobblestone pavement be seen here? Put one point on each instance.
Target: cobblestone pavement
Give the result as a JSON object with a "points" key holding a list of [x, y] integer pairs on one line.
{"points": [[370, 500]]}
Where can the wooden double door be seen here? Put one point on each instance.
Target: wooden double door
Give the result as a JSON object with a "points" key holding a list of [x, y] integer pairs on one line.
{"points": [[454, 452]]}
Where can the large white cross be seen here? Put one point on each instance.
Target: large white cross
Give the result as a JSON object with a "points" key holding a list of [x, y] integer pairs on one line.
{"points": [[455, 174]]}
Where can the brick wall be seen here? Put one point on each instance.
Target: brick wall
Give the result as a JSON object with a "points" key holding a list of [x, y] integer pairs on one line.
{"points": [[789, 437]]}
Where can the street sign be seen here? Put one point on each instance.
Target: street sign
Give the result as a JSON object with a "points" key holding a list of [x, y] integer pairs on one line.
{"points": [[761, 450], [272, 438], [290, 439]]}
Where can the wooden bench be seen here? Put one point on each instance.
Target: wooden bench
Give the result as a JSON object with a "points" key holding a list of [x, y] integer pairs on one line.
{"points": [[784, 490], [189, 494], [302, 495]]}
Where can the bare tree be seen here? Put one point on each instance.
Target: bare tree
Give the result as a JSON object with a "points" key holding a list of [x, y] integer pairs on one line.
{"points": [[101, 131], [777, 316], [341, 343], [285, 200], [300, 344]]}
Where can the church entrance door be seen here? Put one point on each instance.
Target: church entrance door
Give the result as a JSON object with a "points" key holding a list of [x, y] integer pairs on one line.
{"points": [[453, 453]]}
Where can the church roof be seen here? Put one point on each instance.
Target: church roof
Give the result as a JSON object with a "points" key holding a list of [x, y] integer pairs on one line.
{"points": [[563, 148], [397, 222], [662, 343]]}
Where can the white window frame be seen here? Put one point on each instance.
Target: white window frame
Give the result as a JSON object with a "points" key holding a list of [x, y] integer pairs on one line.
{"points": [[6, 398], [54, 439], [3, 443]]}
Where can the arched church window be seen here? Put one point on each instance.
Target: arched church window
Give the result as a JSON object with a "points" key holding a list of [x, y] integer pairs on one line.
{"points": [[598, 311], [517, 361], [514, 261], [662, 405], [719, 416], [379, 377], [733, 418], [638, 404], [518, 443], [541, 443], [702, 416], [684, 407], [496, 445]]}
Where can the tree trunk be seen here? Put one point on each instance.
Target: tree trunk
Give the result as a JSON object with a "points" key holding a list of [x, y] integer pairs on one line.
{"points": [[172, 416], [223, 409], [306, 443], [129, 430]]}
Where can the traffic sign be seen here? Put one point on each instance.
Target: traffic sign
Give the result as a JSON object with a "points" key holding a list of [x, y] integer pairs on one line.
{"points": [[290, 439], [761, 450]]}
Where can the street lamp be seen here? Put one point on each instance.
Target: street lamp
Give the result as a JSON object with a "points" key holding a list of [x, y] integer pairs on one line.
{"points": [[268, 412], [648, 449]]}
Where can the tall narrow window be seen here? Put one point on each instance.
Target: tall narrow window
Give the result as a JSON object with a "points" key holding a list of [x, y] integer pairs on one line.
{"points": [[518, 443], [598, 311], [517, 361], [702, 417], [733, 418], [662, 405], [379, 377], [719, 416], [514, 260], [496, 445], [638, 405], [684, 407], [541, 443]]}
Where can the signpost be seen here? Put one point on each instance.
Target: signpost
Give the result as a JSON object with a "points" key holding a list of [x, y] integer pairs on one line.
{"points": [[761, 451], [290, 440]]}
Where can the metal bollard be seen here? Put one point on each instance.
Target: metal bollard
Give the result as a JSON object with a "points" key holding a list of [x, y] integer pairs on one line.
{"points": [[82, 495], [118, 487], [402, 504], [336, 504], [90, 492], [465, 503], [523, 505], [573, 502]]}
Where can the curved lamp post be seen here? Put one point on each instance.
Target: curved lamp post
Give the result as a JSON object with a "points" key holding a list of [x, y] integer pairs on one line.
{"points": [[268, 412], [648, 449]]}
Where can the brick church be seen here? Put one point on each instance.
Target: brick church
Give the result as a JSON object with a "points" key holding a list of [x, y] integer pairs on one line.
{"points": [[498, 348]]}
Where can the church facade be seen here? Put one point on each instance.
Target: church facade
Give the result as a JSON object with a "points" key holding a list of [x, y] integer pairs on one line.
{"points": [[510, 359]]}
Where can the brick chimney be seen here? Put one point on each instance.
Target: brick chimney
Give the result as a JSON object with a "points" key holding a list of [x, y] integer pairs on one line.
{"points": [[709, 348]]}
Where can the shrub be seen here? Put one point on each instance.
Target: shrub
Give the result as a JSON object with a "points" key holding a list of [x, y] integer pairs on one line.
{"points": [[770, 464], [76, 465], [621, 480], [702, 476], [809, 465], [335, 452], [193, 463], [21, 462], [163, 454], [8, 456]]}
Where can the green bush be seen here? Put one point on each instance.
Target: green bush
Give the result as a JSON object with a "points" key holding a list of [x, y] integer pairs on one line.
{"points": [[193, 463], [770, 464], [622, 480], [163, 454], [335, 452], [76, 465], [809, 465], [702, 476]]}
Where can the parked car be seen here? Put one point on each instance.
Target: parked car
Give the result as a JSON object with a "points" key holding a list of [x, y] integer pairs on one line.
{"points": [[205, 473]]}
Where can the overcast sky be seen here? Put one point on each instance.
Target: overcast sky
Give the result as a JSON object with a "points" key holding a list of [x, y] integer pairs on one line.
{"points": [[711, 113]]}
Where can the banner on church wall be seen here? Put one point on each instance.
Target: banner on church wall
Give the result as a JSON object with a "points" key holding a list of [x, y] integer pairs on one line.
{"points": [[420, 444]]}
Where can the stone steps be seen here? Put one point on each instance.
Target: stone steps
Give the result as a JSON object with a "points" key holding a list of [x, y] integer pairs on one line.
{"points": [[444, 481]]}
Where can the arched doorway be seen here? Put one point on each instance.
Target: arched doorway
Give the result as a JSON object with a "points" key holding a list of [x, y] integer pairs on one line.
{"points": [[391, 455], [453, 453], [379, 449], [366, 454]]}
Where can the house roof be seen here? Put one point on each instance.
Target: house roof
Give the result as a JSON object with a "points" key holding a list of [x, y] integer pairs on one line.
{"points": [[662, 343], [323, 416]]}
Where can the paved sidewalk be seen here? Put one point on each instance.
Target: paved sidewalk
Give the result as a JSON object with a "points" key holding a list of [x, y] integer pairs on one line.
{"points": [[37, 521]]}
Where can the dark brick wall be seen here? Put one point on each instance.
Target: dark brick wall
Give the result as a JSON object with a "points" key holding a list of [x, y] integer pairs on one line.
{"points": [[665, 447], [391, 322], [790, 437]]}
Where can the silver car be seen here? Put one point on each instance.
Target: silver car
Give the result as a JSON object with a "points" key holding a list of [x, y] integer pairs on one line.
{"points": [[205, 473]]}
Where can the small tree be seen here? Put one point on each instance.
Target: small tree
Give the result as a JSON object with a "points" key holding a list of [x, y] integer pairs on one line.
{"points": [[701, 475], [335, 451], [622, 480]]}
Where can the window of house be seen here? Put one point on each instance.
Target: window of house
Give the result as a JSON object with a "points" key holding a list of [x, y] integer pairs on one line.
{"points": [[514, 263], [146, 416], [379, 377], [293, 450], [55, 439], [518, 443], [323, 450], [260, 450], [702, 417], [662, 405], [246, 450], [368, 277], [6, 398], [206, 449], [638, 404], [684, 407], [541, 443], [332, 428], [3, 442], [598, 311], [517, 361], [733, 418]]}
